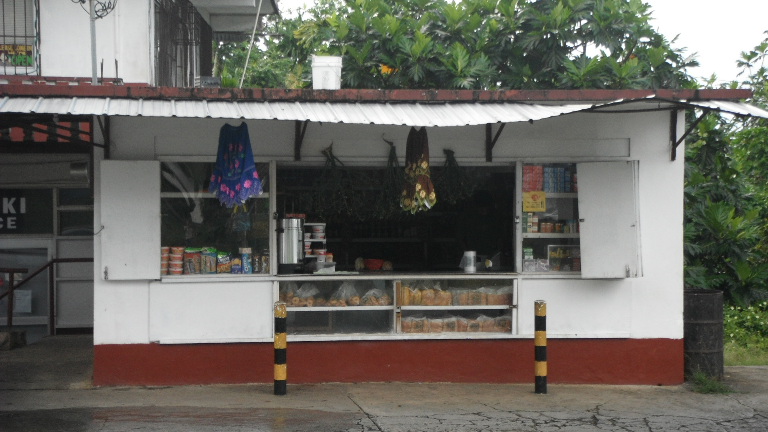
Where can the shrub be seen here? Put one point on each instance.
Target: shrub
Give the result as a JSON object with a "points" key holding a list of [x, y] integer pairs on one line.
{"points": [[746, 334]]}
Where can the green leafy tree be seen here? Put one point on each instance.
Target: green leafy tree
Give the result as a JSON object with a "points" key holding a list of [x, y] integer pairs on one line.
{"points": [[727, 196], [471, 44]]}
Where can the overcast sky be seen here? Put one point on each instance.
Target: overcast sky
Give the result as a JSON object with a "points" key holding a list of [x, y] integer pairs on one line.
{"points": [[716, 30]]}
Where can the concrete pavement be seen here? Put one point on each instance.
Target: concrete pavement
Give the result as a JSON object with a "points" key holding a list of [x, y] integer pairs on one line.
{"points": [[35, 395]]}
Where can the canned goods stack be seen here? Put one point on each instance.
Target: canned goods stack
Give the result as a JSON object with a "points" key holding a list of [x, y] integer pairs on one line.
{"points": [[176, 263], [165, 254]]}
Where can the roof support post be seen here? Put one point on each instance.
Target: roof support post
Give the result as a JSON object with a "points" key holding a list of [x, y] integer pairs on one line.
{"points": [[673, 131], [299, 130], [490, 140]]}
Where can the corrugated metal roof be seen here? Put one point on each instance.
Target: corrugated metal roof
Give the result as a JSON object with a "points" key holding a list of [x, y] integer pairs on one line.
{"points": [[379, 113], [408, 114], [738, 108]]}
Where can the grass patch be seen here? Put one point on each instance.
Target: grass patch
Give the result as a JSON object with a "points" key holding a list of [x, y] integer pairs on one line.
{"points": [[746, 334], [703, 383], [745, 354]]}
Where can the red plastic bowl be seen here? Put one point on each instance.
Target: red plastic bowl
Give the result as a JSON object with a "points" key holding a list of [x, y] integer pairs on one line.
{"points": [[373, 264]]}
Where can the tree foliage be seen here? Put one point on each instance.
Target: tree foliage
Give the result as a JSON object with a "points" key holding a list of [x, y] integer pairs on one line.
{"points": [[474, 44], [727, 195]]}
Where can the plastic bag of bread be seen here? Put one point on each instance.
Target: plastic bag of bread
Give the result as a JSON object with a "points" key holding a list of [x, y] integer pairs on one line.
{"points": [[414, 324], [406, 325], [504, 324], [487, 324], [403, 294], [436, 325], [376, 297], [432, 294], [460, 296], [468, 325], [477, 297], [419, 325], [462, 324], [346, 295], [443, 298], [306, 295], [450, 323], [499, 296], [288, 291]]}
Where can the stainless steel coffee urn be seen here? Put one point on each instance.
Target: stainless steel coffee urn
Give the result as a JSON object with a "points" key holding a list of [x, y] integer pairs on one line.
{"points": [[291, 245]]}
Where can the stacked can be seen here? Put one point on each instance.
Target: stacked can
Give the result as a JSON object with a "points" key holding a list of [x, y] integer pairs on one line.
{"points": [[176, 263], [165, 253]]}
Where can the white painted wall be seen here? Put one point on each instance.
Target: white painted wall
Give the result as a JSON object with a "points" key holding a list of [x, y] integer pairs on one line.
{"points": [[65, 41], [646, 307]]}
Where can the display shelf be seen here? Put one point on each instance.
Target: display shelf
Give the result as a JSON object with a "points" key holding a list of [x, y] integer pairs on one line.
{"points": [[569, 195], [550, 235], [455, 308], [337, 308], [200, 194], [331, 322]]}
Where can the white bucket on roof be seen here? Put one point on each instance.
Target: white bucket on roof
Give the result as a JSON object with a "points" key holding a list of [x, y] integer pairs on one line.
{"points": [[326, 72]]}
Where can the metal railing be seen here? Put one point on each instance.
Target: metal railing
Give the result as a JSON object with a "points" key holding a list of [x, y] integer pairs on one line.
{"points": [[51, 288]]}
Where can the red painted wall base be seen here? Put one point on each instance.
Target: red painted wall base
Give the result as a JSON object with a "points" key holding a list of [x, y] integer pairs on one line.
{"points": [[593, 361]]}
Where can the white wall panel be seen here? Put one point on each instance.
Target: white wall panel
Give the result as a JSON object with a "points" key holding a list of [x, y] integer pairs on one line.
{"points": [[210, 312], [122, 36], [121, 312]]}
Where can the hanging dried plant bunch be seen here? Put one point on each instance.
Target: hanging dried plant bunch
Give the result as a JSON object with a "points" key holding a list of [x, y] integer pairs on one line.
{"points": [[454, 183], [333, 187], [418, 191]]}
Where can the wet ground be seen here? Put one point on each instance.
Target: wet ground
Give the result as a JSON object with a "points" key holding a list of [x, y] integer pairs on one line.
{"points": [[46, 387]]}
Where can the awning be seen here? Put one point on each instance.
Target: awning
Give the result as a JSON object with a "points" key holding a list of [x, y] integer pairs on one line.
{"points": [[406, 114], [741, 109], [418, 114]]}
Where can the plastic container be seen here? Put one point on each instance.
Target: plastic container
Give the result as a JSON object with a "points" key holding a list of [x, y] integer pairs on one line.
{"points": [[326, 72], [245, 256]]}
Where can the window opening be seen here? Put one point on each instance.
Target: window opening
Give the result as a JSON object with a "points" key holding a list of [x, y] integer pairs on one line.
{"points": [[18, 38]]}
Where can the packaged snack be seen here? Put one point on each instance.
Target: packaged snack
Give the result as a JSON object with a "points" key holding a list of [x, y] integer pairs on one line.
{"points": [[237, 265], [223, 262], [208, 260]]}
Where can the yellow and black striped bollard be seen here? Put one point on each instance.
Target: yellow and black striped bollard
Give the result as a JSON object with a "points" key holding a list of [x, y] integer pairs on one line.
{"points": [[540, 340], [281, 349]]}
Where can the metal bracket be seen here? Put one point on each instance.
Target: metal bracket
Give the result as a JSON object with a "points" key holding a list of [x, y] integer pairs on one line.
{"points": [[299, 130], [490, 141], [673, 131]]}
